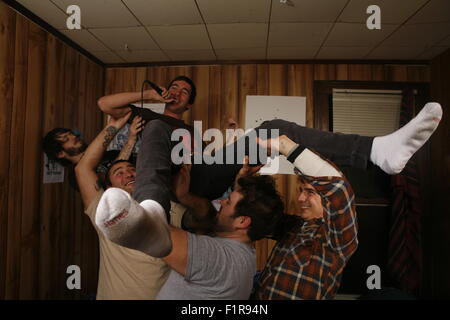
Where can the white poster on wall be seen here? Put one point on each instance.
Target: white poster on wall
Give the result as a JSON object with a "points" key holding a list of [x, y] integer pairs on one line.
{"points": [[53, 171], [262, 108]]}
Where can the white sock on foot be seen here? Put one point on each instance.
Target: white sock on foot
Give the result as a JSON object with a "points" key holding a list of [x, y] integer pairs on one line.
{"points": [[392, 152], [125, 222]]}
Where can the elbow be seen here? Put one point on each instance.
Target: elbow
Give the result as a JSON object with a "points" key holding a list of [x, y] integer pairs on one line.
{"points": [[79, 169], [103, 105], [82, 168], [162, 251]]}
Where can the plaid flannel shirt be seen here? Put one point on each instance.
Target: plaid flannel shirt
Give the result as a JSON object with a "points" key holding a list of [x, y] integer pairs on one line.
{"points": [[308, 261]]}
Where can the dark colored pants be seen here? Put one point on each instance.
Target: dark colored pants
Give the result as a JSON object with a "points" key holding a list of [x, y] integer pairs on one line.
{"points": [[211, 181], [154, 165]]}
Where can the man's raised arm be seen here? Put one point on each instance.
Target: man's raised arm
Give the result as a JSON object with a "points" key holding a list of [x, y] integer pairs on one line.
{"points": [[117, 105], [85, 170], [334, 188]]}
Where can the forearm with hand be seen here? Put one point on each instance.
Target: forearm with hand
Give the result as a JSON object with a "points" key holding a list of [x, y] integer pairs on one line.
{"points": [[96, 149], [200, 206], [116, 105], [306, 161]]}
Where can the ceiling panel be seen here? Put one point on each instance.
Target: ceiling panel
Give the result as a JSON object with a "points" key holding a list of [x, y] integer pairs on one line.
{"points": [[434, 11], [445, 42], [191, 55], [400, 53], [101, 13], [85, 40], [115, 38], [142, 55], [307, 10], [238, 35], [392, 12], [234, 11], [241, 54], [209, 30], [419, 35], [292, 53], [47, 11], [356, 35], [432, 52], [297, 34], [108, 56], [165, 12], [343, 52], [187, 37]]}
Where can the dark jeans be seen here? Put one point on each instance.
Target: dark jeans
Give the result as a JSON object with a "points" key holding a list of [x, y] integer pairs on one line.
{"points": [[154, 165], [211, 181]]}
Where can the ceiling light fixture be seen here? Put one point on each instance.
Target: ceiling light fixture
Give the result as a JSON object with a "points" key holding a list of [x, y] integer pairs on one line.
{"points": [[288, 2]]}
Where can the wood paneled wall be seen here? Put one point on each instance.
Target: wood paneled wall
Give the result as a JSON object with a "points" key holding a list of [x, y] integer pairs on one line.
{"points": [[222, 92], [43, 84], [437, 233]]}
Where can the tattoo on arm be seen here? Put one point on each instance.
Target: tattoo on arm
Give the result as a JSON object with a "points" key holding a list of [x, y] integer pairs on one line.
{"points": [[125, 153], [109, 135]]}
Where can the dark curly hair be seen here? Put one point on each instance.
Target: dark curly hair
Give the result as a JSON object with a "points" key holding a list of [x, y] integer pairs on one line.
{"points": [[52, 146], [262, 203]]}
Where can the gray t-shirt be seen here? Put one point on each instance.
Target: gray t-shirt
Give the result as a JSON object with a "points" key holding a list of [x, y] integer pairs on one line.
{"points": [[217, 268]]}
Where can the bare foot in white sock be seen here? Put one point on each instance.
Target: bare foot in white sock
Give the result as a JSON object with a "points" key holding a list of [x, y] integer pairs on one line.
{"points": [[129, 224], [392, 152]]}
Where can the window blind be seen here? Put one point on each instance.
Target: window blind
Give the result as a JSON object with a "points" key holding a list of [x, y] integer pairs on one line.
{"points": [[366, 112]]}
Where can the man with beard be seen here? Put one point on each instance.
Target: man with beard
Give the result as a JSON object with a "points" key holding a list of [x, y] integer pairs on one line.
{"points": [[390, 153], [66, 147], [203, 267], [123, 273], [314, 244], [63, 146]]}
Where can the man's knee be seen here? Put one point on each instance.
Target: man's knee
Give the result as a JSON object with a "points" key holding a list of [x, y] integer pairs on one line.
{"points": [[275, 124]]}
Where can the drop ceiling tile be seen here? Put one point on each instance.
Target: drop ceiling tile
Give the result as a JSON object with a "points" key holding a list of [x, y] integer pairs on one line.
{"points": [[191, 55], [356, 35], [234, 11], [47, 11], [307, 10], [343, 52], [445, 42], [85, 40], [142, 55], [181, 37], [238, 35], [108, 57], [397, 52], [297, 34], [434, 11], [101, 13], [292, 53], [392, 12], [419, 35], [432, 52], [165, 12], [241, 54], [137, 38]]}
